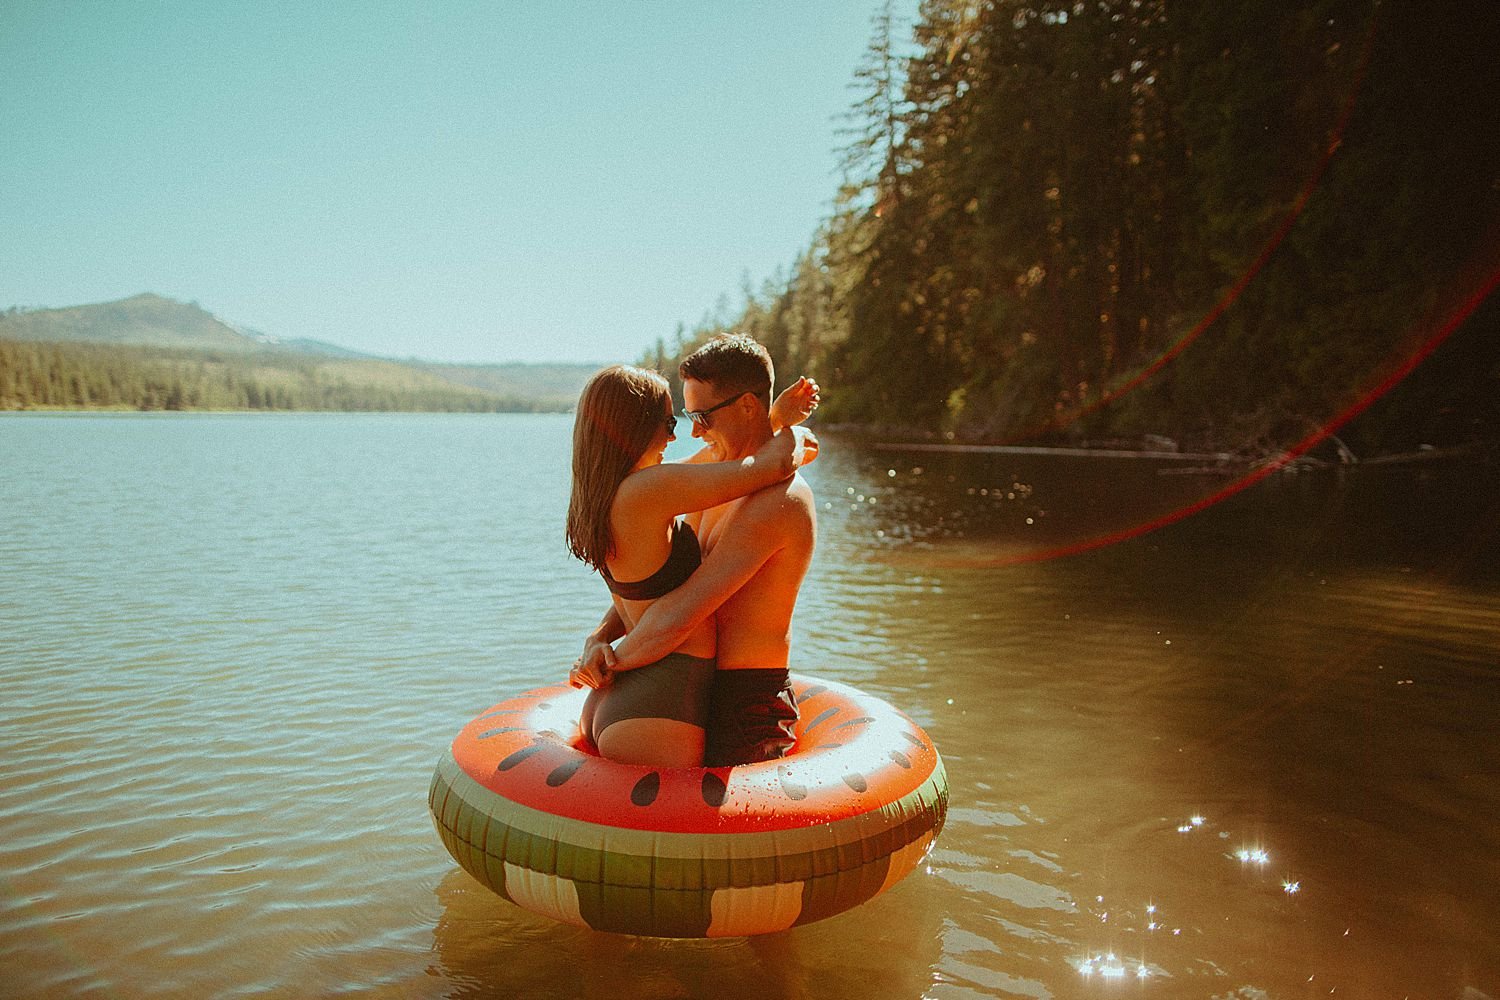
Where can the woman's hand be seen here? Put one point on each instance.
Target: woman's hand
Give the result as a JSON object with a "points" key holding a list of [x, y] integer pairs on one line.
{"points": [[804, 446], [593, 668], [795, 404], [788, 450]]}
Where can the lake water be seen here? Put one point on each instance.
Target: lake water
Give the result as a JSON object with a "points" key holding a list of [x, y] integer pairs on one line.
{"points": [[1249, 755]]}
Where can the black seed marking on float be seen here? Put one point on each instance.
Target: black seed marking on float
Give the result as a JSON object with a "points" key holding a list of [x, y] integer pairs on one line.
{"points": [[812, 692], [520, 755], [914, 740], [565, 771], [795, 790], [829, 746], [900, 758], [713, 789], [855, 722], [822, 717], [496, 732], [500, 711], [645, 791], [856, 782]]}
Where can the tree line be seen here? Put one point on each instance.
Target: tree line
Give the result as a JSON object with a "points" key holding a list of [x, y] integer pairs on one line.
{"points": [[81, 375], [1221, 222]]}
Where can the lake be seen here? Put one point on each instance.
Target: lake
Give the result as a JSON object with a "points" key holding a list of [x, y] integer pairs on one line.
{"points": [[1251, 754]]}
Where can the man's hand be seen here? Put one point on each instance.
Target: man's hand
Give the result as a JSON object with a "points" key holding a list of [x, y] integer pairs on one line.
{"points": [[594, 667], [796, 403]]}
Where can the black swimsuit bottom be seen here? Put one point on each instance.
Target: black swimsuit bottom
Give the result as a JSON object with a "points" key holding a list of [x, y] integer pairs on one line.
{"points": [[677, 686]]}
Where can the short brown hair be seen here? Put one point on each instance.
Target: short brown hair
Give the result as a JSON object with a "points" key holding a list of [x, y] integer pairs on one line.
{"points": [[732, 361], [620, 412]]}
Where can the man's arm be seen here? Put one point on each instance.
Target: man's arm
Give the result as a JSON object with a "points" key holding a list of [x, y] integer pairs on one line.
{"points": [[754, 538]]}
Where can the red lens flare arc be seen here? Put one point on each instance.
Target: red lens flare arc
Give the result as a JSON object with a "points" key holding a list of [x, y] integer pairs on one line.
{"points": [[1235, 290], [1442, 328]]}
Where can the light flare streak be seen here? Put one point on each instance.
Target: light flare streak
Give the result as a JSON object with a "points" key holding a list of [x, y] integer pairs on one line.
{"points": [[1232, 294], [1440, 331]]}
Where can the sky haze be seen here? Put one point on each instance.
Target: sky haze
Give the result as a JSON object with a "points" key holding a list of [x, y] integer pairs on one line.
{"points": [[467, 182]]}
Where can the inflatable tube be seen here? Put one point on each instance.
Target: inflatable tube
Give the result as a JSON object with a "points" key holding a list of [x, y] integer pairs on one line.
{"points": [[528, 809]]}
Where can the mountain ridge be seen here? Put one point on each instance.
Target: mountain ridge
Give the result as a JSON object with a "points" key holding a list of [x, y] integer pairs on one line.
{"points": [[144, 320], [150, 322]]}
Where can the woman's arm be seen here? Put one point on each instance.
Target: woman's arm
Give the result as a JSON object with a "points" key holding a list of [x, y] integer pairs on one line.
{"points": [[795, 404], [674, 488]]}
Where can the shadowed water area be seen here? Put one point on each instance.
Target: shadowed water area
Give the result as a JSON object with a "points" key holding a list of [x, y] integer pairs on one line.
{"points": [[1248, 755]]}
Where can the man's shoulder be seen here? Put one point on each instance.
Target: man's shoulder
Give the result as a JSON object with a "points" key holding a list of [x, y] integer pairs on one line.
{"points": [[786, 496], [784, 508]]}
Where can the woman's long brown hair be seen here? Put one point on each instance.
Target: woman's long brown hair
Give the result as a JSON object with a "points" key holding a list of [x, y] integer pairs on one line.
{"points": [[620, 412]]}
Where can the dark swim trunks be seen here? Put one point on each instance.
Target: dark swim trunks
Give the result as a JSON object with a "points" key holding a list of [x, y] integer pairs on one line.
{"points": [[750, 717], [674, 687]]}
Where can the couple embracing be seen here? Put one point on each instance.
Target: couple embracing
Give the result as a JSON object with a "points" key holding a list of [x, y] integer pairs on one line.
{"points": [[703, 558]]}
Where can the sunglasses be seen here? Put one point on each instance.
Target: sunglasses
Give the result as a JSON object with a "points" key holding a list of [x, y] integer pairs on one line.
{"points": [[700, 417]]}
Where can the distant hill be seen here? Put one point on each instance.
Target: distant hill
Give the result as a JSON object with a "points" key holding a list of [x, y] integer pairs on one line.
{"points": [[304, 346], [136, 330], [145, 321], [555, 385]]}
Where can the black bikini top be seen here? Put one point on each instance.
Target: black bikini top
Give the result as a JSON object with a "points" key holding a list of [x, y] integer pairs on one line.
{"points": [[685, 557]]}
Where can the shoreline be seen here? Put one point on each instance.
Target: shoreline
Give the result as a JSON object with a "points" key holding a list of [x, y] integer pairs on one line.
{"points": [[83, 410], [1152, 448], [1206, 462], [1082, 451]]}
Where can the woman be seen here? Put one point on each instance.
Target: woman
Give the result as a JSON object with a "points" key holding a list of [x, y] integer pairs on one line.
{"points": [[623, 521]]}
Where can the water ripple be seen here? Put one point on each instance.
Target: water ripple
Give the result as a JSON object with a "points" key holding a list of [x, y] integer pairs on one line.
{"points": [[232, 649]]}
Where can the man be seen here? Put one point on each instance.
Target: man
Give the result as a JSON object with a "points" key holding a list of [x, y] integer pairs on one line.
{"points": [[756, 552]]}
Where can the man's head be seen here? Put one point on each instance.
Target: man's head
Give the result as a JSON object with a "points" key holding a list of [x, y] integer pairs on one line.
{"points": [[726, 392]]}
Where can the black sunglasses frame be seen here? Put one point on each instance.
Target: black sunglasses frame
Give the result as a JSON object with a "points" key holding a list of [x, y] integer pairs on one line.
{"points": [[700, 417]]}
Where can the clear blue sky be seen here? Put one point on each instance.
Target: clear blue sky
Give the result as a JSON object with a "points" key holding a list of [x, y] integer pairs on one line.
{"points": [[461, 181]]}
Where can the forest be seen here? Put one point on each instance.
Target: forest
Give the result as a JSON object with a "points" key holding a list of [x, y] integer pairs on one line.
{"points": [[1226, 224], [38, 375]]}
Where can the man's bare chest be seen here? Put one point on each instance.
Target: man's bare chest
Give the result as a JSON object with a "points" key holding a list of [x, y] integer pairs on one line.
{"points": [[713, 524]]}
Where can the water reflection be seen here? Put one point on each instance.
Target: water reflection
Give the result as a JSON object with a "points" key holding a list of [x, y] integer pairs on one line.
{"points": [[233, 647], [943, 508], [484, 946], [1240, 684]]}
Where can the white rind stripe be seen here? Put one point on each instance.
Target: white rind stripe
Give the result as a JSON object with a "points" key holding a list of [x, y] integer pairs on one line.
{"points": [[760, 909], [548, 895]]}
